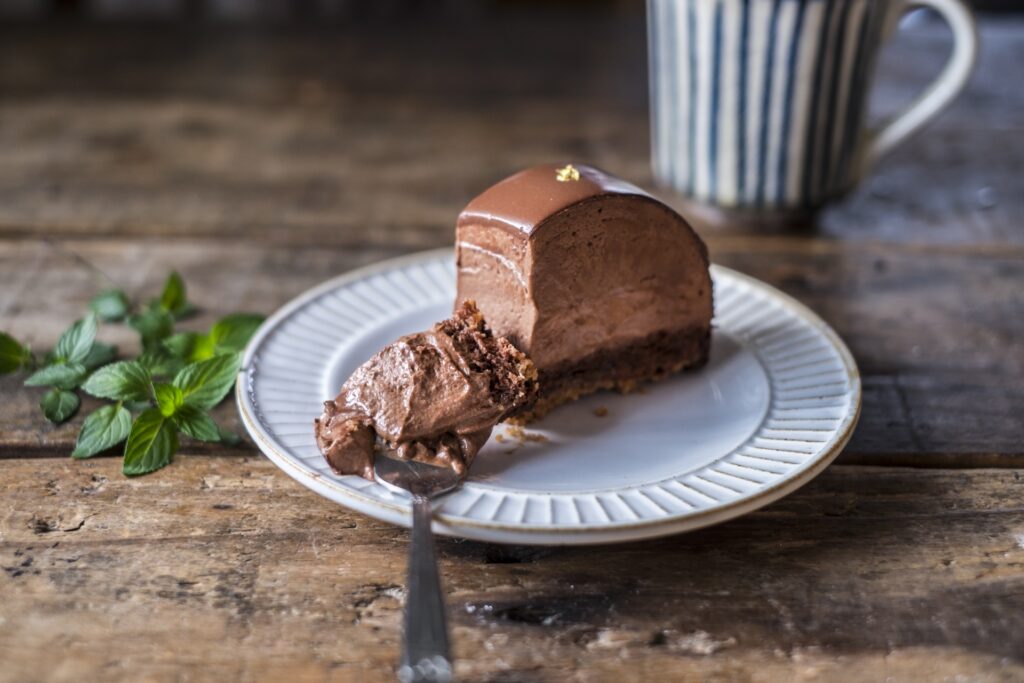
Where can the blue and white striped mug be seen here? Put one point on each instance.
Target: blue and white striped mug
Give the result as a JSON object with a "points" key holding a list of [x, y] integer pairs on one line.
{"points": [[759, 105]]}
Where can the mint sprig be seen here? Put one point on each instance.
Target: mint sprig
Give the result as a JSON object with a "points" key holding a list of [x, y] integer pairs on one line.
{"points": [[126, 380], [168, 399], [172, 385], [99, 354], [58, 405], [154, 324], [76, 342], [151, 445], [58, 375], [191, 420], [13, 356], [204, 383], [103, 429], [173, 298], [111, 305], [66, 367]]}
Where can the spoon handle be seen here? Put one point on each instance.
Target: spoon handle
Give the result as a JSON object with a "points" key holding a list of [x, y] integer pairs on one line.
{"points": [[425, 655]]}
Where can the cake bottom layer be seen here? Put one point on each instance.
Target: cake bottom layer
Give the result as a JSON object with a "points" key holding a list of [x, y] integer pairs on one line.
{"points": [[623, 369]]}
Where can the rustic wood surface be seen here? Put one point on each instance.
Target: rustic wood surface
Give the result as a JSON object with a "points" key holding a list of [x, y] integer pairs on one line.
{"points": [[259, 163], [228, 570]]}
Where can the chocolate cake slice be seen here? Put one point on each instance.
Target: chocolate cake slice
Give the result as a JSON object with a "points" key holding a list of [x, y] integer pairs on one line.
{"points": [[602, 285], [432, 396]]}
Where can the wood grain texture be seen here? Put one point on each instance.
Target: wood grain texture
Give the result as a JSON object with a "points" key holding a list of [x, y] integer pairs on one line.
{"points": [[323, 135], [222, 568]]}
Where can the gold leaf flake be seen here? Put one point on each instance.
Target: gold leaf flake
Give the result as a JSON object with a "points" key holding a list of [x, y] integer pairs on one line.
{"points": [[567, 173]]}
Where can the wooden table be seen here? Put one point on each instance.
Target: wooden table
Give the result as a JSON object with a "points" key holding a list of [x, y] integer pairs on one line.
{"points": [[259, 163]]}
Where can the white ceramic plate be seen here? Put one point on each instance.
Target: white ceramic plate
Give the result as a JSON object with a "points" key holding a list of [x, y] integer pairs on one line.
{"points": [[773, 407]]}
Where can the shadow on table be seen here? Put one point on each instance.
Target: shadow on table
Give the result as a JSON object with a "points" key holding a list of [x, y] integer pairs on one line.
{"points": [[827, 566]]}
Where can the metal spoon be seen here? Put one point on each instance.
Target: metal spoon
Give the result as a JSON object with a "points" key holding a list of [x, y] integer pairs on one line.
{"points": [[425, 652]]}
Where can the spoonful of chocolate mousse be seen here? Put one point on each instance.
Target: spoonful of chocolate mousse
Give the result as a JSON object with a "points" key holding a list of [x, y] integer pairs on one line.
{"points": [[432, 396]]}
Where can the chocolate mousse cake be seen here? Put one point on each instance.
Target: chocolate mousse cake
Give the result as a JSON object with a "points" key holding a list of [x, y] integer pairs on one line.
{"points": [[431, 396], [601, 284]]}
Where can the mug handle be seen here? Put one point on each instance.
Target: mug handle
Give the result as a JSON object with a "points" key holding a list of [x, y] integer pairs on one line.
{"points": [[942, 91]]}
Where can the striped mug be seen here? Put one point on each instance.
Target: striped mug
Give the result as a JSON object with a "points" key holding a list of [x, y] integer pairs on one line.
{"points": [[759, 105]]}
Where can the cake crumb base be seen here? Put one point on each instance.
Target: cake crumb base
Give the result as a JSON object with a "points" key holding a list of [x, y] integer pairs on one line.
{"points": [[657, 361], [546, 404]]}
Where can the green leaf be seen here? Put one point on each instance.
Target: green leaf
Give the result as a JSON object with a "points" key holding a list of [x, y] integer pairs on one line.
{"points": [[58, 405], [197, 424], [173, 299], [12, 354], [137, 406], [233, 332], [181, 344], [127, 380], [110, 305], [187, 311], [62, 376], [168, 398], [228, 437], [151, 445], [228, 335], [205, 383], [99, 354], [153, 325], [203, 349], [160, 363], [103, 429], [73, 346], [153, 358]]}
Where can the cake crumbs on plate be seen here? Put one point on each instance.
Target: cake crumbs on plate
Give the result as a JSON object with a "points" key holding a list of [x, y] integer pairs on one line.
{"points": [[601, 411], [523, 436]]}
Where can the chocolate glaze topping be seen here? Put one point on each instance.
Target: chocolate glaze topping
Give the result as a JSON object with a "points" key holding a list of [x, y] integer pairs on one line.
{"points": [[524, 200], [433, 396]]}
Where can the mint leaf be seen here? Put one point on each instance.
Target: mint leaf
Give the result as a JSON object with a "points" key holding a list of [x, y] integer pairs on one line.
{"points": [[203, 349], [232, 332], [61, 376], [187, 311], [103, 429], [12, 354], [205, 383], [153, 325], [153, 358], [181, 344], [111, 305], [58, 405], [229, 334], [73, 346], [168, 398], [227, 437], [99, 354], [160, 362], [173, 299], [197, 424], [127, 380], [151, 445]]}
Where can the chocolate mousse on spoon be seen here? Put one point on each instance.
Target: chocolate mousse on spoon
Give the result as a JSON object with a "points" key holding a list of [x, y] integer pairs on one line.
{"points": [[432, 397]]}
